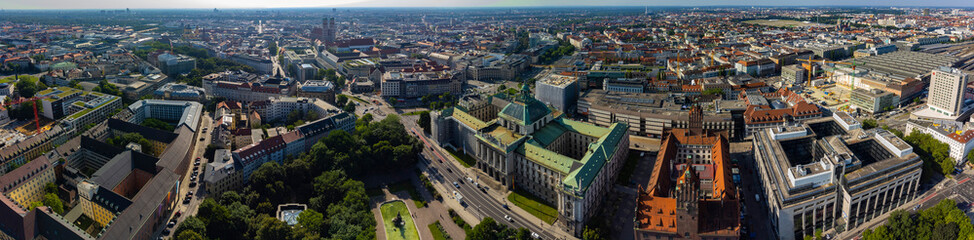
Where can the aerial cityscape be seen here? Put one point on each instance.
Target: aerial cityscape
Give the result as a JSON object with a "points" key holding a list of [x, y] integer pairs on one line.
{"points": [[486, 120]]}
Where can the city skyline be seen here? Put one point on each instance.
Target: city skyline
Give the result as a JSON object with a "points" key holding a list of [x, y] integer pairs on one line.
{"points": [[260, 4]]}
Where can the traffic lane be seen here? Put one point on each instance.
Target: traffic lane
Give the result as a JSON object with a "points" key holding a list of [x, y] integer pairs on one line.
{"points": [[492, 207], [487, 206]]}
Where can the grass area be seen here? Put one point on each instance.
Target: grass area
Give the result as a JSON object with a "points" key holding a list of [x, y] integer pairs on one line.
{"points": [[411, 189], [630, 165], [414, 113], [465, 160], [354, 98], [438, 232], [389, 212], [534, 205]]}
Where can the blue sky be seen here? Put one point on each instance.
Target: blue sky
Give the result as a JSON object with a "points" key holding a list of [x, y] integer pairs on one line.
{"points": [[136, 4]]}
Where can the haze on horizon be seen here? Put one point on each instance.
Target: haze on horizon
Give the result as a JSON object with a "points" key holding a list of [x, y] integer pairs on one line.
{"points": [[184, 4]]}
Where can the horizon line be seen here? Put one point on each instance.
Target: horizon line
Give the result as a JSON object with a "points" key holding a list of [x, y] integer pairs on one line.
{"points": [[508, 7]]}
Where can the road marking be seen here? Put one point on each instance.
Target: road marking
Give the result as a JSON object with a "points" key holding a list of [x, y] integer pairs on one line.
{"points": [[963, 181], [927, 198]]}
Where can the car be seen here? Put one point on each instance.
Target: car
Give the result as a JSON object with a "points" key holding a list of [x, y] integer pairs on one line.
{"points": [[509, 219], [506, 207], [179, 213], [186, 201], [535, 235], [470, 179], [192, 184], [202, 139], [460, 180], [455, 184], [165, 232], [195, 168], [190, 193]]}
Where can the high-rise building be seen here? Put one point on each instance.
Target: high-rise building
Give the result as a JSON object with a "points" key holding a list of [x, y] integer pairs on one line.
{"points": [[947, 90]]}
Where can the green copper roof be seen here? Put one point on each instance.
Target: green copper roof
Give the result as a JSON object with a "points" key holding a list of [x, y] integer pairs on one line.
{"points": [[525, 109], [533, 151], [468, 120], [600, 151]]}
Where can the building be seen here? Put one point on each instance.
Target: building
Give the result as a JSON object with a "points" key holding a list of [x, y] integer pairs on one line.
{"points": [[328, 30], [278, 108], [171, 64], [691, 193], [756, 68], [775, 109], [178, 91], [626, 85], [947, 87], [520, 141], [829, 174], [182, 113], [223, 173], [874, 101], [559, 91], [25, 184], [653, 114], [321, 89], [494, 67], [20, 153], [794, 74], [77, 108], [959, 139], [418, 84]]}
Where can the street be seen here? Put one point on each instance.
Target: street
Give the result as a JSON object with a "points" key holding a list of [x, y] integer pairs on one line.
{"points": [[478, 203]]}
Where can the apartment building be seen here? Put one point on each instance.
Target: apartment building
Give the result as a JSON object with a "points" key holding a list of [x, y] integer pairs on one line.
{"points": [[959, 138], [418, 84], [652, 114]]}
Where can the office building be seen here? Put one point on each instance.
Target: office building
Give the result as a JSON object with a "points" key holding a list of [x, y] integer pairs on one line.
{"points": [[321, 89], [559, 91], [223, 173], [182, 113], [77, 108], [653, 114], [691, 193], [175, 64], [947, 87], [278, 108], [874, 101], [830, 174], [519, 142], [418, 84], [178, 91]]}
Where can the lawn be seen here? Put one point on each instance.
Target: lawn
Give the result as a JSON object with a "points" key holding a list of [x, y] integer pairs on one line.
{"points": [[408, 187], [437, 230], [389, 212], [534, 205], [464, 159], [355, 98], [414, 113]]}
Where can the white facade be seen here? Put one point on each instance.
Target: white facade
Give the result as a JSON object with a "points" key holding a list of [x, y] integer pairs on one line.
{"points": [[947, 87]]}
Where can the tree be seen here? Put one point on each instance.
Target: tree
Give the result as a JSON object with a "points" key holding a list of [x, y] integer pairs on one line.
{"points": [[490, 229], [191, 223], [272, 229], [157, 124], [501, 87], [50, 188], [869, 123], [230, 197], [349, 108], [945, 231], [592, 234], [51, 200], [189, 235], [27, 86], [272, 47], [311, 221], [107, 88], [424, 121]]}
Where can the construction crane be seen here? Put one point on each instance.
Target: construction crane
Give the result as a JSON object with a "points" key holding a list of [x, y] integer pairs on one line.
{"points": [[37, 121], [823, 61]]}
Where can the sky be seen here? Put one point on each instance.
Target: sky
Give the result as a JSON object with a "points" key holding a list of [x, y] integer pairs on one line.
{"points": [[168, 4]]}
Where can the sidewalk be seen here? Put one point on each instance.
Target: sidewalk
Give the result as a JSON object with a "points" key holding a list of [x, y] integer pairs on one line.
{"points": [[422, 217]]}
